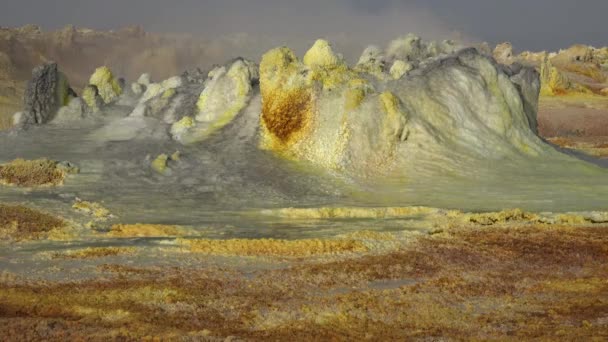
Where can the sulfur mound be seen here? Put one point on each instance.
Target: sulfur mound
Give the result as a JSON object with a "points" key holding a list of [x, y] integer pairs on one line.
{"points": [[324, 112], [108, 87]]}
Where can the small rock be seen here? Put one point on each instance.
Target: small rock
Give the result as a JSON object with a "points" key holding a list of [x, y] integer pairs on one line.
{"points": [[68, 167], [91, 97], [144, 79], [138, 88]]}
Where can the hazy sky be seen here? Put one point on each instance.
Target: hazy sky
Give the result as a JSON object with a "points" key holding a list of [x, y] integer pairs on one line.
{"points": [[529, 24]]}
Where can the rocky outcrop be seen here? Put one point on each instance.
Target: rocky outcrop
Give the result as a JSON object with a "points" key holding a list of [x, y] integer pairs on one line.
{"points": [[315, 111], [400, 68], [503, 53], [408, 48], [576, 70], [372, 61], [326, 113], [73, 112], [90, 95], [46, 92], [226, 93], [554, 82], [108, 87]]}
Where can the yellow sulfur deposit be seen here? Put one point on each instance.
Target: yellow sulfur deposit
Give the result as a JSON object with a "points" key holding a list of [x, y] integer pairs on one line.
{"points": [[108, 87], [286, 99], [29, 173], [146, 230], [91, 97], [321, 54], [160, 164], [224, 97], [271, 247], [92, 208], [399, 69], [94, 252]]}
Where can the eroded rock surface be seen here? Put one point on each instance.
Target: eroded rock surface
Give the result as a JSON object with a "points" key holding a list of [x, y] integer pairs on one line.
{"points": [[322, 111], [47, 91]]}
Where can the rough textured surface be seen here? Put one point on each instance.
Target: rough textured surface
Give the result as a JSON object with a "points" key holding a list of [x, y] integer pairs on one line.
{"points": [[108, 87], [46, 92], [22, 223], [90, 96], [503, 53], [322, 112], [28, 173], [226, 93], [531, 283]]}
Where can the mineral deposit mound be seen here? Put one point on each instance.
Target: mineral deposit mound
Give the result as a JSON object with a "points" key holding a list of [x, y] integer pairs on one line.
{"points": [[422, 123], [406, 195]]}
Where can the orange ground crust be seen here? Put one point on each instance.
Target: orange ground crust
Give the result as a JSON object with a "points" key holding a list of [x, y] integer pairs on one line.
{"points": [[540, 282]]}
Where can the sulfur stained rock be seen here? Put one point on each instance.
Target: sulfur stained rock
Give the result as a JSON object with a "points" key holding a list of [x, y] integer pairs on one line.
{"points": [[159, 89], [159, 164], [226, 93], [553, 81], [314, 111], [321, 54], [400, 68], [181, 128], [330, 115], [108, 86], [407, 48], [90, 95], [372, 61]]}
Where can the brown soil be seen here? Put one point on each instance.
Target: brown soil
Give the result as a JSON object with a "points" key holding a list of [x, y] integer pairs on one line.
{"points": [[543, 283], [22, 223]]}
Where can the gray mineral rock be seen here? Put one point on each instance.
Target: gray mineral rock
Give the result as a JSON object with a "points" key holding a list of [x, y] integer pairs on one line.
{"points": [[46, 92]]}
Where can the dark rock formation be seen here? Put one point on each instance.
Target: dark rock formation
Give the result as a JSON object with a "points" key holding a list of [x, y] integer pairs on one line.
{"points": [[46, 92]]}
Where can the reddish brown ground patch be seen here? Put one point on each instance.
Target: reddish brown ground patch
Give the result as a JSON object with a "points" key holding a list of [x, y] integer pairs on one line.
{"points": [[547, 283], [22, 223]]}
